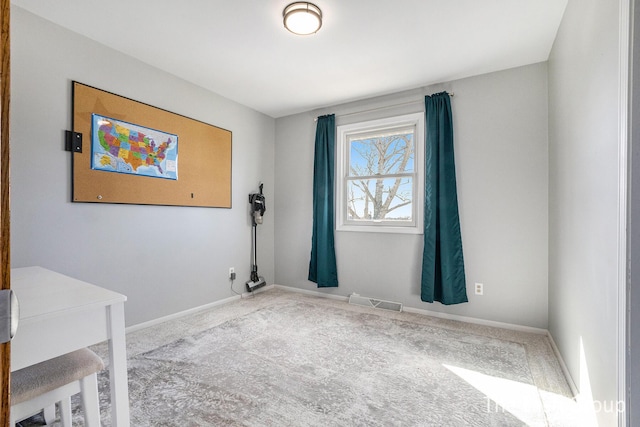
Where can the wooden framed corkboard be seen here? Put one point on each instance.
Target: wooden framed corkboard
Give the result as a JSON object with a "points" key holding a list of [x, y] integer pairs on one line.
{"points": [[204, 156]]}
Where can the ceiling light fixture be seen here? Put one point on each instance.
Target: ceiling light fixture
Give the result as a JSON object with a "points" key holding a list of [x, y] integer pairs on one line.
{"points": [[302, 18]]}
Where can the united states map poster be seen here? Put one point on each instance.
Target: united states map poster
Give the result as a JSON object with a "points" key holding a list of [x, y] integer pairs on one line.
{"points": [[118, 146]]}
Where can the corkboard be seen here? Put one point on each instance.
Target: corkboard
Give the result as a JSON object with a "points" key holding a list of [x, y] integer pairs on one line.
{"points": [[204, 156]]}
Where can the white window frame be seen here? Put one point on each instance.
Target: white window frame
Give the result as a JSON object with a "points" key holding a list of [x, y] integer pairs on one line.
{"points": [[342, 172]]}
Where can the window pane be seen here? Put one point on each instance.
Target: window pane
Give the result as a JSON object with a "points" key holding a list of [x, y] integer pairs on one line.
{"points": [[386, 199], [382, 154]]}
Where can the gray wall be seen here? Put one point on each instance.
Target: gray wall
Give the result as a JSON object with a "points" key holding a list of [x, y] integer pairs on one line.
{"points": [[500, 127], [165, 259], [583, 197], [633, 360]]}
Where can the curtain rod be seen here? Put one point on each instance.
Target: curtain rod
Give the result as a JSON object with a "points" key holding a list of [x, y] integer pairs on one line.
{"points": [[382, 108]]}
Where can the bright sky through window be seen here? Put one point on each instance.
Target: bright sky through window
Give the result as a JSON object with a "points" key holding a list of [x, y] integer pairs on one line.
{"points": [[380, 183], [380, 178]]}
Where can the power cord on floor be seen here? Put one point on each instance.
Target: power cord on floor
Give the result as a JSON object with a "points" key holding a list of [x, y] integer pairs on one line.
{"points": [[232, 279], [233, 290]]}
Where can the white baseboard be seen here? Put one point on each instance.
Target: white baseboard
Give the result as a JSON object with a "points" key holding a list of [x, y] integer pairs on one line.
{"points": [[180, 314], [476, 321], [447, 316], [563, 366], [313, 293]]}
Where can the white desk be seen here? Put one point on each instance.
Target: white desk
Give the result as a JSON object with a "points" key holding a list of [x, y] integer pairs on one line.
{"points": [[59, 314]]}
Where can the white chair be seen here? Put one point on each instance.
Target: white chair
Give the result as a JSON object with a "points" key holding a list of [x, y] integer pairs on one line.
{"points": [[53, 381]]}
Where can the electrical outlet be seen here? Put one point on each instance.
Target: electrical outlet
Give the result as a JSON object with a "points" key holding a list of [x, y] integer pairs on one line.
{"points": [[232, 273], [479, 289]]}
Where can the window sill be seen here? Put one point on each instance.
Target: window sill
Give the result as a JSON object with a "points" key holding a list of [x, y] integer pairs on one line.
{"points": [[379, 229]]}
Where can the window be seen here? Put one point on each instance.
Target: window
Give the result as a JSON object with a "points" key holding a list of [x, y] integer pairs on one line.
{"points": [[380, 175]]}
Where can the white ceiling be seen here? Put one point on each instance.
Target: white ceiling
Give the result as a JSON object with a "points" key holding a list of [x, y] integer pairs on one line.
{"points": [[240, 49]]}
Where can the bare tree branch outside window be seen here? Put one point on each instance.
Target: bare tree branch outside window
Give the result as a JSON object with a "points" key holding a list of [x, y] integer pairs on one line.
{"points": [[379, 185]]}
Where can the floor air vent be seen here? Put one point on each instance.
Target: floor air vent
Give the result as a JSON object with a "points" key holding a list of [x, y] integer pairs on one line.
{"points": [[356, 299]]}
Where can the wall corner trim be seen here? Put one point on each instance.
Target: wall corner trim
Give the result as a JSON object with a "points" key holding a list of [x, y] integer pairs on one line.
{"points": [[563, 366]]}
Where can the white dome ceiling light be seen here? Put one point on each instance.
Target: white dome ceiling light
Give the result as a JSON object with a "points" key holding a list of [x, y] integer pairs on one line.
{"points": [[302, 18]]}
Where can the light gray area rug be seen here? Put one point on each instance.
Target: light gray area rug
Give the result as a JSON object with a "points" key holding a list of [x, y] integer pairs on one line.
{"points": [[301, 363]]}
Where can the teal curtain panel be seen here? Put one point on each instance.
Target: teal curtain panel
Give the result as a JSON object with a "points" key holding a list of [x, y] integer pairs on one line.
{"points": [[443, 277], [322, 266]]}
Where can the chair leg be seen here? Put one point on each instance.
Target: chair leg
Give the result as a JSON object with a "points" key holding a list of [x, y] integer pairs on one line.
{"points": [[49, 414], [90, 400], [65, 412]]}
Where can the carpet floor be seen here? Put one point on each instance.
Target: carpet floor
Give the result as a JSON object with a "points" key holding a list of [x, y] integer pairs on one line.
{"points": [[287, 359]]}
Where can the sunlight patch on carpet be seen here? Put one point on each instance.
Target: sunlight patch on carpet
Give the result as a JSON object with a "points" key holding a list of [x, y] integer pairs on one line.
{"points": [[519, 399]]}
